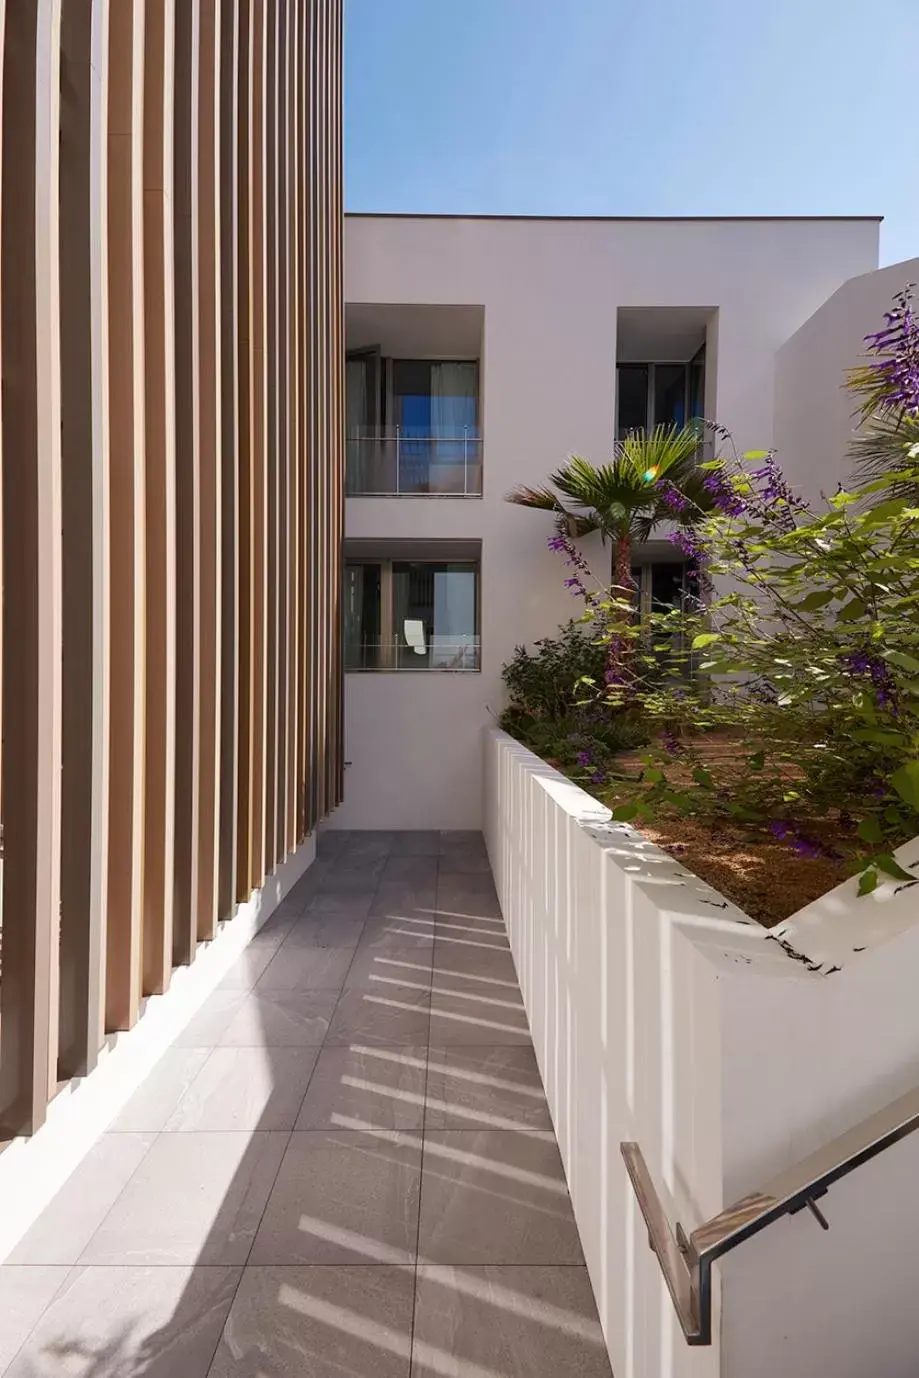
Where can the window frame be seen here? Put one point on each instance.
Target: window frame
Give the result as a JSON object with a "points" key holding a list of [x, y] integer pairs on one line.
{"points": [[387, 614]]}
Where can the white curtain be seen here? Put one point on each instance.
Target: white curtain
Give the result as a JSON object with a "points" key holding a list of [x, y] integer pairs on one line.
{"points": [[358, 448], [452, 399]]}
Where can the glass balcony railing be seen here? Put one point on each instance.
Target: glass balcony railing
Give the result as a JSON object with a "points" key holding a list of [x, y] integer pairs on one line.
{"points": [[438, 653], [401, 465]]}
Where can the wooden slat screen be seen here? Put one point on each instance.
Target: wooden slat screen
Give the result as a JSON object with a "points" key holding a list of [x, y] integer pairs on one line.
{"points": [[172, 493]]}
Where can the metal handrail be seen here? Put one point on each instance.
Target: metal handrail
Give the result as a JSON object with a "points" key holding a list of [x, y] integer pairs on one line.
{"points": [[687, 1262]]}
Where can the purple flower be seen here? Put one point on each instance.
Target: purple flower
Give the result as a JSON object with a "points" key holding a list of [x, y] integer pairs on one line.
{"points": [[598, 777], [867, 664], [687, 543], [800, 842], [585, 758], [897, 345], [775, 493], [671, 741], [723, 493], [556, 543], [672, 497]]}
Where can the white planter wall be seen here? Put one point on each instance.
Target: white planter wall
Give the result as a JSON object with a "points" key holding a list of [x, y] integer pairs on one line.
{"points": [[660, 1013]]}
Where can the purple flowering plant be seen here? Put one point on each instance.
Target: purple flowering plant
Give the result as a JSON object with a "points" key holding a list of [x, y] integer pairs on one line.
{"points": [[800, 638]]}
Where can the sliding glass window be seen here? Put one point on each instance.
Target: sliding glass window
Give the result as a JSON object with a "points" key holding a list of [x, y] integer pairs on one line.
{"points": [[411, 615]]}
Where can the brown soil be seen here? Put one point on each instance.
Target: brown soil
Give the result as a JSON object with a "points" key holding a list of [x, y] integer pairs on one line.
{"points": [[765, 877]]}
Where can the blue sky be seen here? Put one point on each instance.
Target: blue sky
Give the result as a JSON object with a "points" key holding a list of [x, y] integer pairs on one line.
{"points": [[636, 107]]}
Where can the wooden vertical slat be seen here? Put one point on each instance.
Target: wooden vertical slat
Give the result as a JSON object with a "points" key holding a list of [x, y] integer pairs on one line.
{"points": [[244, 453], [187, 480], [207, 238], [272, 418], [84, 494], [303, 308], [127, 499], [159, 328], [295, 175], [32, 562], [258, 413], [230, 432]]}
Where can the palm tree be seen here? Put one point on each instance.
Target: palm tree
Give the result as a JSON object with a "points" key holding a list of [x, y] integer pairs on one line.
{"points": [[627, 498]]}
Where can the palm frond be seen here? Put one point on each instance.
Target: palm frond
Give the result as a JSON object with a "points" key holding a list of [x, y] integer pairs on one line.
{"points": [[541, 498], [881, 446]]}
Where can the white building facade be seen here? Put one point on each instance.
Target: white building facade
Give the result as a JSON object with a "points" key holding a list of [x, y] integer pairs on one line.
{"points": [[484, 351]]}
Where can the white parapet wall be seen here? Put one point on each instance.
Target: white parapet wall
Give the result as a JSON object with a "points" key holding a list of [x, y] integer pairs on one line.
{"points": [[662, 1014]]}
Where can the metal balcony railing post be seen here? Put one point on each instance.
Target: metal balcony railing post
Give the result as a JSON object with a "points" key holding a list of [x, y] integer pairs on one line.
{"points": [[465, 459], [398, 454]]}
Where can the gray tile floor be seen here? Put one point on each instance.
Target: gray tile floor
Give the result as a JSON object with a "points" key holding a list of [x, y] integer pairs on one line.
{"points": [[345, 1165]]}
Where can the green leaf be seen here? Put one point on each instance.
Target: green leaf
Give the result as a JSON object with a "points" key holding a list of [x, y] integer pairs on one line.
{"points": [[704, 639], [906, 782], [757, 761], [889, 864], [702, 777], [884, 736], [818, 599], [654, 776], [868, 881], [622, 813], [756, 454], [870, 830], [904, 661], [852, 610]]}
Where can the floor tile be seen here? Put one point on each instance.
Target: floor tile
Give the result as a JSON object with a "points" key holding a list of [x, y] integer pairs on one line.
{"points": [[458, 841], [363, 1016], [281, 1019], [323, 928], [498, 1088], [206, 1028], [118, 1322], [393, 935], [467, 894], [464, 863], [464, 1009], [196, 1198], [160, 1092], [493, 1196], [319, 1322], [367, 845], [411, 870], [307, 968], [409, 843], [247, 968], [472, 930], [455, 956], [346, 874], [537, 1322], [62, 1231], [383, 1087], [24, 1294], [245, 1088], [344, 1198], [329, 842], [381, 965], [353, 904], [399, 899]]}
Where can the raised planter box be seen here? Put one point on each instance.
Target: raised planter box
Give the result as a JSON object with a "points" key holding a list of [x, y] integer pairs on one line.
{"points": [[662, 1014]]}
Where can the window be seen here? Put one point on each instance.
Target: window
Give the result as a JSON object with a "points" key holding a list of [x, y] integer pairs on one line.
{"points": [[412, 426], [649, 395], [411, 614]]}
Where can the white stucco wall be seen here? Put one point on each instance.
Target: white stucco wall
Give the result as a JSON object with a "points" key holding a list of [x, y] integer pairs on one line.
{"points": [[550, 290], [813, 412], [662, 1017]]}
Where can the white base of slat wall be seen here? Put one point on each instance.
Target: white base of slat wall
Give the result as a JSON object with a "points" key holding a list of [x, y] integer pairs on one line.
{"points": [[33, 1170]]}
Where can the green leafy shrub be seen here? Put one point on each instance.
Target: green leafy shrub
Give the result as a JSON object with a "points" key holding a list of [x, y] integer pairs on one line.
{"points": [[554, 705]]}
